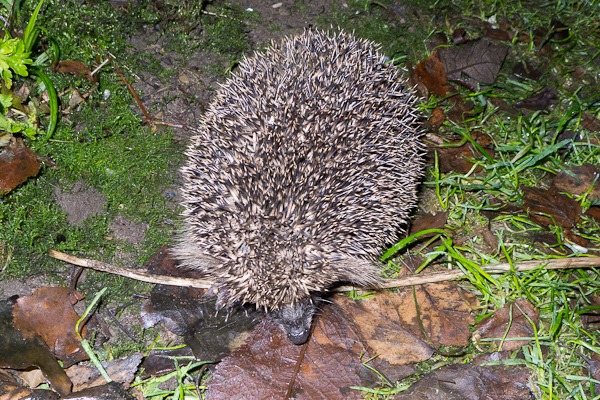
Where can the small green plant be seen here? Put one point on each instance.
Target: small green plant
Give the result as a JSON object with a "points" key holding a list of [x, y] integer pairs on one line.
{"points": [[15, 59]]}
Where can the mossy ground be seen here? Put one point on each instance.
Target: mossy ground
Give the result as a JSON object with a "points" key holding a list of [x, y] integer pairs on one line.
{"points": [[105, 143]]}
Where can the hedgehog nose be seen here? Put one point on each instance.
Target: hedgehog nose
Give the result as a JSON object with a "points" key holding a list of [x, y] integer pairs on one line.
{"points": [[298, 335]]}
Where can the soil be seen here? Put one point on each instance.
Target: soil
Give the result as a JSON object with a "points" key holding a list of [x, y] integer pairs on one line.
{"points": [[182, 100]]}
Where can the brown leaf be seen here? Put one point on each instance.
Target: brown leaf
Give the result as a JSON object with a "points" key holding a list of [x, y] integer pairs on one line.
{"points": [[547, 206], [460, 159], [541, 100], [49, 314], [122, 370], [461, 110], [442, 318], [76, 68], [590, 122], [436, 119], [527, 70], [111, 390], [429, 76], [594, 212], [458, 382], [263, 367], [497, 34], [17, 163], [190, 313], [579, 180], [10, 389], [428, 221], [591, 318], [460, 36], [18, 351], [594, 365], [514, 314], [476, 62]]}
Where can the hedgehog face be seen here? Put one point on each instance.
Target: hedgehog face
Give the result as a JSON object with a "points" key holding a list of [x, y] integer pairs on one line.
{"points": [[296, 319]]}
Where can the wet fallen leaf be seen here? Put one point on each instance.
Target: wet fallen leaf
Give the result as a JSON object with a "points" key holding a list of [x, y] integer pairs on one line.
{"points": [[445, 312], [594, 365], [594, 212], [263, 367], [17, 164], [10, 389], [108, 391], [460, 159], [590, 317], [459, 382], [436, 119], [122, 370], [424, 221], [21, 352], [527, 70], [541, 100], [190, 313], [578, 180], [547, 206], [460, 36], [497, 34], [516, 318], [461, 110], [429, 77], [590, 122], [161, 361], [477, 62], [76, 68], [381, 326], [49, 314]]}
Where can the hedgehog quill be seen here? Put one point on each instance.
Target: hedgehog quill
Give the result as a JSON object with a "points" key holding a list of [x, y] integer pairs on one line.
{"points": [[303, 169]]}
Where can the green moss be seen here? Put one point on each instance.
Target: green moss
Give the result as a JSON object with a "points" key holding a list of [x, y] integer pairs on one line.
{"points": [[225, 32], [400, 39]]}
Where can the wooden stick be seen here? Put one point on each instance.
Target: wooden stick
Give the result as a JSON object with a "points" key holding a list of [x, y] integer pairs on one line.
{"points": [[131, 273], [433, 277], [558, 263]]}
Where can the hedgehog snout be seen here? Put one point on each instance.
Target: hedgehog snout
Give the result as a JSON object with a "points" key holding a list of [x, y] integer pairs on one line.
{"points": [[296, 319]]}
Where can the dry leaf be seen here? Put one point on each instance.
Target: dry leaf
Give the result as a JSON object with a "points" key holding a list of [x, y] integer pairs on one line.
{"points": [[10, 389], [547, 206], [20, 352], [474, 63], [430, 77], [541, 100], [518, 316], [578, 180], [122, 370], [190, 313], [76, 68], [395, 328], [17, 163], [49, 314], [263, 367], [460, 159], [459, 382]]}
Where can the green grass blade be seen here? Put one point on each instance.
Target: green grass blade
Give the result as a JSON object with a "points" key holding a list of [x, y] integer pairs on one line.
{"points": [[409, 239], [52, 99], [32, 31]]}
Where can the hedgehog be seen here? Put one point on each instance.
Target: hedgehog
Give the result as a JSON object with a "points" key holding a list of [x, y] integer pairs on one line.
{"points": [[303, 168]]}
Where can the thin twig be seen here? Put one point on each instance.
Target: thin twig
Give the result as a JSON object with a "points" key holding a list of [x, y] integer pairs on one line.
{"points": [[557, 263], [131, 273], [562, 263], [147, 116]]}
